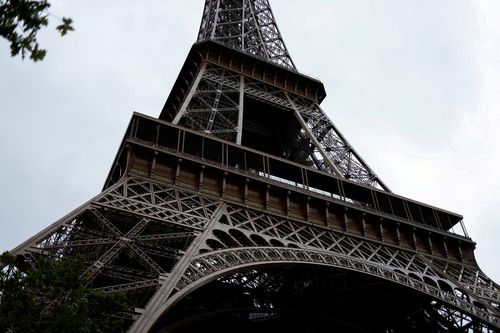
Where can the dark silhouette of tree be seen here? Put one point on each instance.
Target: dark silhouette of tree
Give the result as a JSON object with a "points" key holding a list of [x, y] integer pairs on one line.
{"points": [[53, 298], [20, 21]]}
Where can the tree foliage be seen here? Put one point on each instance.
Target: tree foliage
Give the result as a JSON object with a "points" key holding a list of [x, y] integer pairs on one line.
{"points": [[53, 298], [20, 21]]}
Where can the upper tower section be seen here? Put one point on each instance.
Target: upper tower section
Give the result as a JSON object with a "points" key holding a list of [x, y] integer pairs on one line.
{"points": [[246, 25], [240, 84]]}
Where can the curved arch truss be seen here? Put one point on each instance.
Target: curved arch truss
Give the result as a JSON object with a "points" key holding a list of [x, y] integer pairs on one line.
{"points": [[212, 265], [310, 298], [159, 243]]}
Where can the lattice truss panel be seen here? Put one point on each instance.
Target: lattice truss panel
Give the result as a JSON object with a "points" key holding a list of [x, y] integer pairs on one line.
{"points": [[214, 106], [348, 163], [246, 25], [132, 236], [245, 237]]}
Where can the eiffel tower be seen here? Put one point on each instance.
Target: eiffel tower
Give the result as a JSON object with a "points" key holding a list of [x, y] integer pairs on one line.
{"points": [[244, 208]]}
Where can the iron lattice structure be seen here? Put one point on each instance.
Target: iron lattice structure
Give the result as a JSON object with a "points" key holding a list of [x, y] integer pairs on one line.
{"points": [[245, 25], [244, 205]]}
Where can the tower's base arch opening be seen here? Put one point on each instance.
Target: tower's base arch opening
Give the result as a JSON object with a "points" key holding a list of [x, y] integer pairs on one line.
{"points": [[300, 298]]}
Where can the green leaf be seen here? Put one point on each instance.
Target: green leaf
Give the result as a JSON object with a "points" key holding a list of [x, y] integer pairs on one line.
{"points": [[65, 26]]}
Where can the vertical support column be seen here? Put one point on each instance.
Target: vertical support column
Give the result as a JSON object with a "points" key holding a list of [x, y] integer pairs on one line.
{"points": [[414, 237], [153, 165], [239, 136], [288, 193], [381, 228], [398, 234], [429, 239], [152, 187], [201, 179], [177, 171], [460, 252], [217, 10], [268, 188], [445, 247], [346, 220], [308, 209], [243, 5], [363, 221], [327, 213], [224, 181], [245, 193]]}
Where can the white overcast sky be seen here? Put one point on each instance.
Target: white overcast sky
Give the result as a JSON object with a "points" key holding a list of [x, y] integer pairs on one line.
{"points": [[413, 84]]}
